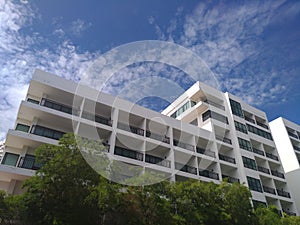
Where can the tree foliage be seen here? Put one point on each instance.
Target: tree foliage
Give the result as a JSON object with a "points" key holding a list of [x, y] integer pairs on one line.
{"points": [[67, 191]]}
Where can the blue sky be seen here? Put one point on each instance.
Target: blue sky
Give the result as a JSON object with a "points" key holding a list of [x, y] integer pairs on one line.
{"points": [[252, 47]]}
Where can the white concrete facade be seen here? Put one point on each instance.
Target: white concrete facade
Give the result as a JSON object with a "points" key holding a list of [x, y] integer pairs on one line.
{"points": [[287, 139], [212, 136]]}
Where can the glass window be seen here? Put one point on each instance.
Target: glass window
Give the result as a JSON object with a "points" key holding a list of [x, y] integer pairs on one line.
{"points": [[22, 127], [254, 184], [33, 101], [259, 132], [10, 159], [244, 144], [240, 127], [249, 163], [210, 114], [236, 108]]}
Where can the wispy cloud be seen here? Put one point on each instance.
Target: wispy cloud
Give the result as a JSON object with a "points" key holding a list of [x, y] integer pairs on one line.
{"points": [[78, 26], [19, 58], [230, 38]]}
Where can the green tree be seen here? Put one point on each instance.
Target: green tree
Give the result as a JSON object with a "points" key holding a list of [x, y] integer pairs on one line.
{"points": [[268, 215], [60, 191]]}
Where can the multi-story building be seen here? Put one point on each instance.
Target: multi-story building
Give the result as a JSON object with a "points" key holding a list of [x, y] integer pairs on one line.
{"points": [[1, 148], [287, 139], [204, 135]]}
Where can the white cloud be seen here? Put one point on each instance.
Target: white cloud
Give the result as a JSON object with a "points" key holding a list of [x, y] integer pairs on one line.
{"points": [[78, 26], [19, 59]]}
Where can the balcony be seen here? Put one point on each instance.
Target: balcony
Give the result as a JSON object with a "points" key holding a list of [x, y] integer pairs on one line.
{"points": [[223, 139], [186, 168], [258, 151], [28, 162], [271, 156], [209, 174], [227, 158], [205, 152], [230, 179], [183, 145], [132, 129], [292, 135], [128, 153], [215, 104], [263, 169], [283, 193], [277, 174], [296, 148], [250, 119], [46, 132], [158, 161], [289, 213], [269, 190], [59, 107], [158, 137], [262, 125], [96, 118]]}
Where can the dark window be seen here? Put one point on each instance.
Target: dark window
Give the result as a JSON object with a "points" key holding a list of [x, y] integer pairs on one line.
{"points": [[183, 108], [254, 184], [259, 132], [244, 144], [33, 101], [22, 127], [210, 114], [236, 108], [258, 204], [249, 163], [10, 159], [46, 132], [240, 127]]}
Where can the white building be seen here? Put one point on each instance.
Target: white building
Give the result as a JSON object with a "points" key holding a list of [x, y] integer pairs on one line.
{"points": [[1, 148], [212, 136], [287, 139]]}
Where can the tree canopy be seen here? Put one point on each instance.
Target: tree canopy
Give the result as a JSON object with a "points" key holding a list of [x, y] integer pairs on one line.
{"points": [[67, 191]]}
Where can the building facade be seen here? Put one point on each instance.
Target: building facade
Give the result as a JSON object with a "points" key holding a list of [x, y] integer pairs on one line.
{"points": [[204, 135], [287, 139]]}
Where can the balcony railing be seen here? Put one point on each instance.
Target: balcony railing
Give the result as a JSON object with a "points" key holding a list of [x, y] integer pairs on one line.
{"points": [[186, 168], [46, 132], [250, 119], [209, 174], [263, 169], [28, 162], [132, 129], [96, 118], [231, 179], [205, 152], [129, 153], [271, 156], [258, 151], [227, 158], [158, 137], [293, 135], [223, 139], [296, 148], [215, 104], [59, 107], [283, 193], [262, 125], [277, 174], [183, 145], [269, 190], [157, 160]]}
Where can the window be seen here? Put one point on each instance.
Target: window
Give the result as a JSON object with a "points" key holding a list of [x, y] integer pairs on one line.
{"points": [[22, 127], [249, 163], [240, 127], [244, 144], [10, 159], [236, 108], [183, 108], [254, 184], [210, 114], [47, 132], [33, 101], [259, 132]]}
